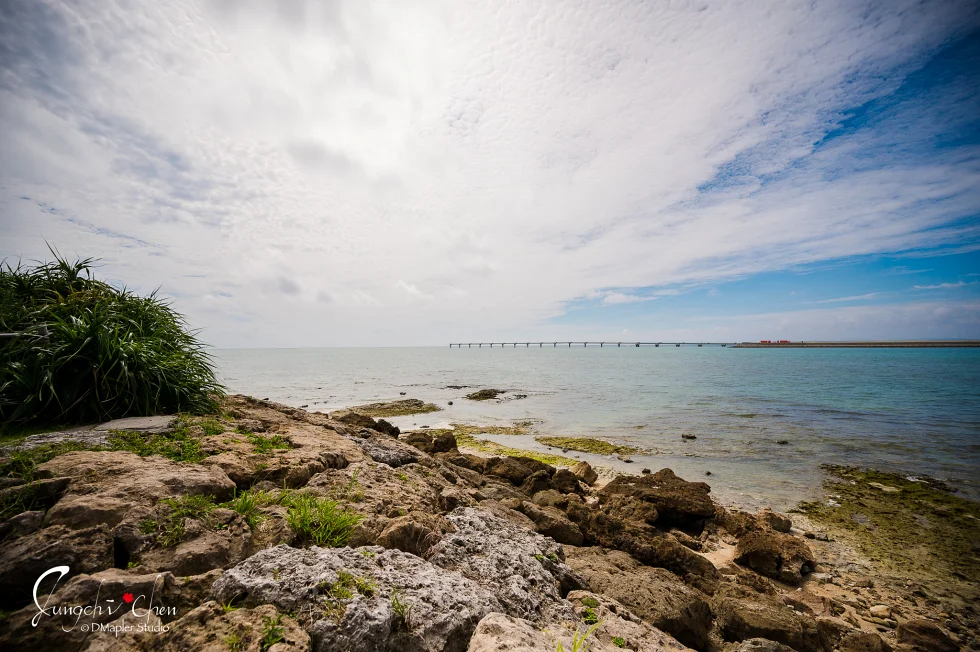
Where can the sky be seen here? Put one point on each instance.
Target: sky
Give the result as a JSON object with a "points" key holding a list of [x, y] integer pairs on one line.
{"points": [[353, 173]]}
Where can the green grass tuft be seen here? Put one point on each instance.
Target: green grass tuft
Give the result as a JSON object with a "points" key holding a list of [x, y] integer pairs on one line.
{"points": [[272, 632], [91, 352], [171, 531], [266, 444], [320, 521]]}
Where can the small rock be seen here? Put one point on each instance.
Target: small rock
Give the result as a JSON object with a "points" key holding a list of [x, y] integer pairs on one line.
{"points": [[625, 458], [782, 442], [886, 488], [707, 472], [401, 393], [450, 402], [881, 611], [646, 471], [584, 471], [688, 436]]}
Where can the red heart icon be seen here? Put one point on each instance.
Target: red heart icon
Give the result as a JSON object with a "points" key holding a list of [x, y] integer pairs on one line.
{"points": [[127, 597]]}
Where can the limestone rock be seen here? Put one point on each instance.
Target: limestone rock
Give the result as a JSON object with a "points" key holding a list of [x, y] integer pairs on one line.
{"points": [[21, 524], [414, 533], [654, 594], [509, 469], [762, 645], [537, 481], [774, 520], [445, 607], [24, 559], [863, 642], [740, 619], [551, 522], [550, 498], [521, 568], [925, 635], [584, 471], [677, 501], [779, 556], [498, 632], [388, 451], [209, 628], [566, 482]]}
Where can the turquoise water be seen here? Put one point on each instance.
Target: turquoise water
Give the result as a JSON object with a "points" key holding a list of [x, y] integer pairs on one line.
{"points": [[911, 410]]}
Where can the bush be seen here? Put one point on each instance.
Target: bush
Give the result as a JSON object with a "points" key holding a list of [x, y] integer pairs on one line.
{"points": [[89, 352]]}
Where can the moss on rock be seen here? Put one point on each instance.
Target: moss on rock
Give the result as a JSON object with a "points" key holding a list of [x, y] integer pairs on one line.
{"points": [[587, 445], [915, 526]]}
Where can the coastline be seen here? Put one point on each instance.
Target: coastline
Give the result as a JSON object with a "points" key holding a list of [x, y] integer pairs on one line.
{"points": [[487, 549]]}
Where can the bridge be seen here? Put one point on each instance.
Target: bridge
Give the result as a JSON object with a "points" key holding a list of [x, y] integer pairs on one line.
{"points": [[764, 344], [583, 343]]}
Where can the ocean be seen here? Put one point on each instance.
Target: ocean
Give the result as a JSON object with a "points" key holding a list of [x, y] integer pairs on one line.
{"points": [[915, 411]]}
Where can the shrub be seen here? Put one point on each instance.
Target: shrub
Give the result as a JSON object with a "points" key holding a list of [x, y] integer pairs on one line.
{"points": [[90, 352]]}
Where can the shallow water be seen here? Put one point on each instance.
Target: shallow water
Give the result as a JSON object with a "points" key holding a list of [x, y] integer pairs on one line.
{"points": [[910, 410]]}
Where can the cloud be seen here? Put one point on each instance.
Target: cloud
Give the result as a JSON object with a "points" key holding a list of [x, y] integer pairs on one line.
{"points": [[619, 297], [944, 286], [857, 297], [442, 170]]}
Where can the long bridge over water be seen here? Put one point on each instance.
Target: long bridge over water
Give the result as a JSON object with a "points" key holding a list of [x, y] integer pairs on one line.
{"points": [[764, 344]]}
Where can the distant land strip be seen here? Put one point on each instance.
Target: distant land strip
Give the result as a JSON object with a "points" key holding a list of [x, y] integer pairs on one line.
{"points": [[763, 344]]}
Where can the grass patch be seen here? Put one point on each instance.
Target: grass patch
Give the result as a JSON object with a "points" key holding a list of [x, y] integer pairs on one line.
{"points": [[587, 445], [171, 531], [22, 464], [89, 352], [267, 444], [921, 529], [320, 521], [346, 586], [178, 445], [485, 394]]}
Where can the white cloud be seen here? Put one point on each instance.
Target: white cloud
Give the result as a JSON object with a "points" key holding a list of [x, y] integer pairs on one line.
{"points": [[944, 286], [620, 297], [856, 297], [337, 162]]}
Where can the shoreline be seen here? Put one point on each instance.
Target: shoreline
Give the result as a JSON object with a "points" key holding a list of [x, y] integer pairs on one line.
{"points": [[481, 549]]}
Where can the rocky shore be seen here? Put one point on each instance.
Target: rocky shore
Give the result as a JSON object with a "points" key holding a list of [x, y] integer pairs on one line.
{"points": [[289, 530]]}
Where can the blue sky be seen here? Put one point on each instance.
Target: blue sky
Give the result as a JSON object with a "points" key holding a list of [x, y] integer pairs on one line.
{"points": [[378, 174]]}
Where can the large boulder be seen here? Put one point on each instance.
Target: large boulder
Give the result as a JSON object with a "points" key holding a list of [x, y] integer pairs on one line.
{"points": [[779, 556], [677, 501], [654, 594], [925, 635], [740, 617], [863, 642], [523, 569], [23, 560], [509, 469], [646, 544], [362, 600], [387, 450], [553, 523]]}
